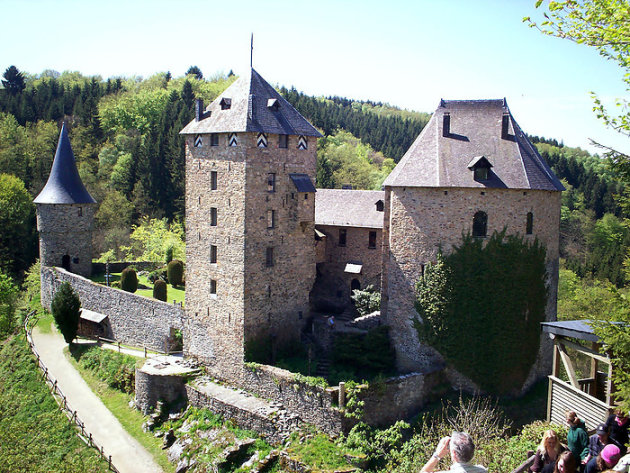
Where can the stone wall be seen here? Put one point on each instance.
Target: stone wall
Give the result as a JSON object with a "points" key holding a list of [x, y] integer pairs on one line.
{"points": [[313, 404], [356, 250], [66, 230], [252, 300], [131, 319], [420, 221], [151, 388]]}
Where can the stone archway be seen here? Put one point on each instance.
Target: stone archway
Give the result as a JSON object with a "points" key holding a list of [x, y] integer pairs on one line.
{"points": [[65, 262]]}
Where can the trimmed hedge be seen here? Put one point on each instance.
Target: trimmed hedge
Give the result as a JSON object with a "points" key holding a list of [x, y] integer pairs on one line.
{"points": [[160, 290], [175, 272], [129, 280]]}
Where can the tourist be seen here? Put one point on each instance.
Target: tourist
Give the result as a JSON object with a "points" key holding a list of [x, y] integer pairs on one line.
{"points": [[461, 448], [596, 444], [607, 458], [618, 424], [577, 438], [566, 463], [547, 453], [623, 465]]}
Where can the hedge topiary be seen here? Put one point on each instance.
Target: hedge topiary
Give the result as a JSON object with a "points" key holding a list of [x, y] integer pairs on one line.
{"points": [[160, 290], [481, 307], [175, 272], [129, 280]]}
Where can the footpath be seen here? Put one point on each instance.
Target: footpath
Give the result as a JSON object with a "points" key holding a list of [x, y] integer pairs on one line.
{"points": [[128, 456]]}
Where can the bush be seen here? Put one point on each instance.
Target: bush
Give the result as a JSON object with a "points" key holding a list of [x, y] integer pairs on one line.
{"points": [[367, 300], [117, 370], [129, 280], [175, 272], [160, 290], [159, 273], [8, 302], [65, 308]]}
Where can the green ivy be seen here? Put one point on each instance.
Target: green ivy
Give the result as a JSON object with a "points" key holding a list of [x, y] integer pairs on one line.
{"points": [[481, 307]]}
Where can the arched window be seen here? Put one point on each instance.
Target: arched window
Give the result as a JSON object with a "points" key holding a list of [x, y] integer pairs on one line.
{"points": [[480, 224], [355, 284], [65, 262], [529, 227]]}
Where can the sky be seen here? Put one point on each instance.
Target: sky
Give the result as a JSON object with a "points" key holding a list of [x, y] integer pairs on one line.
{"points": [[408, 53]]}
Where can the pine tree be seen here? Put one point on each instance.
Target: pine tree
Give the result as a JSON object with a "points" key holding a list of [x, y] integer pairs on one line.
{"points": [[13, 81]]}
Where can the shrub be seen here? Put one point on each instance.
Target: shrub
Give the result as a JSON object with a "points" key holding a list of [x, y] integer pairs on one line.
{"points": [[129, 280], [65, 308], [8, 303], [366, 300], [169, 254], [117, 370], [175, 272], [156, 274], [160, 290]]}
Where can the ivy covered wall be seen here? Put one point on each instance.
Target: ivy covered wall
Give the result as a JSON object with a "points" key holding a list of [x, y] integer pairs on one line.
{"points": [[481, 307]]}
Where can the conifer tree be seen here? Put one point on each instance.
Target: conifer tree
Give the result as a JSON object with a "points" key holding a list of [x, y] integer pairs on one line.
{"points": [[65, 308]]}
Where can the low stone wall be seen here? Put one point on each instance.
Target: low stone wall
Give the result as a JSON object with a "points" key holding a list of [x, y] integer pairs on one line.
{"points": [[398, 398], [131, 319], [313, 404], [118, 266], [151, 388], [366, 322], [266, 426]]}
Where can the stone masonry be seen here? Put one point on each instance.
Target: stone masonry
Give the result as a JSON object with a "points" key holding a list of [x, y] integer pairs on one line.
{"points": [[421, 221]]}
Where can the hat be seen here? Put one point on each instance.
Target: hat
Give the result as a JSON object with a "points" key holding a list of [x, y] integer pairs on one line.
{"points": [[611, 454], [602, 429]]}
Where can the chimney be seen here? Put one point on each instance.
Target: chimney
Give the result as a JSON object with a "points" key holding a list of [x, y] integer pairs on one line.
{"points": [[446, 125], [198, 109], [505, 123]]}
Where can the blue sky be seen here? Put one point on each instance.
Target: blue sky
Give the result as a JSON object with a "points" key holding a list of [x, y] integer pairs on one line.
{"points": [[407, 53]]}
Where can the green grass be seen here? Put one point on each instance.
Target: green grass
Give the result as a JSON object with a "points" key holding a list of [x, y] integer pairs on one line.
{"points": [[36, 435], [174, 294], [319, 452], [130, 418], [45, 322]]}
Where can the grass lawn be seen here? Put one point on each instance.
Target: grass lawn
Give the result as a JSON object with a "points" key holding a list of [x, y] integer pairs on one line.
{"points": [[174, 294], [130, 418]]}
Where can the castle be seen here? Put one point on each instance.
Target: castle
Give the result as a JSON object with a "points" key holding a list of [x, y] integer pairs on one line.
{"points": [[260, 237]]}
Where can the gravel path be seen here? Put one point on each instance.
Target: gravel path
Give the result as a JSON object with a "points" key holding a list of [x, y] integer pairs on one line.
{"points": [[127, 454]]}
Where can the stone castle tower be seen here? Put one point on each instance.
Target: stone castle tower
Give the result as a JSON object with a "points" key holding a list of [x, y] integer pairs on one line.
{"points": [[471, 170], [65, 214], [250, 206]]}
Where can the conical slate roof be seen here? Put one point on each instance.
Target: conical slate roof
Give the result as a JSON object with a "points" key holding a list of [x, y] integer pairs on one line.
{"points": [[444, 150], [250, 104], [64, 185]]}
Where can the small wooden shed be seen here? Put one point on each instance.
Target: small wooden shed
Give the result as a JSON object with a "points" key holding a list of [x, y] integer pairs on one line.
{"points": [[589, 396]]}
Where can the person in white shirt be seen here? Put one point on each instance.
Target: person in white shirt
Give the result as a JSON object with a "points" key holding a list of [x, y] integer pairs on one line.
{"points": [[461, 448]]}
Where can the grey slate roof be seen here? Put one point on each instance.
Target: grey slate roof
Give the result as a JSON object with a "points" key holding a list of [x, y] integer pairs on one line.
{"points": [[434, 160], [580, 329], [252, 110], [302, 182], [64, 186], [348, 208]]}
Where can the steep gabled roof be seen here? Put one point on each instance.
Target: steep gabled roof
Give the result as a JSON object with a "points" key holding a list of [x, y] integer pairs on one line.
{"points": [[440, 156], [348, 208], [64, 185], [250, 104]]}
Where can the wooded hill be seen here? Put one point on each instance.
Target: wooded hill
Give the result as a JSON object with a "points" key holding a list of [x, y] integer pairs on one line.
{"points": [[125, 136]]}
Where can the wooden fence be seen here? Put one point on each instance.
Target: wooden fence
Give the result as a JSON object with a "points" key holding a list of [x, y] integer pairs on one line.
{"points": [[62, 400]]}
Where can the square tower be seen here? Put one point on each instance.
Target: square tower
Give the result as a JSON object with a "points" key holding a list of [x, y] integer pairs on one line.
{"points": [[250, 207]]}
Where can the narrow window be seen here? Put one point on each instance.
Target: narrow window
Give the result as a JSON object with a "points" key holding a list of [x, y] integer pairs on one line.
{"points": [[213, 180], [213, 287], [342, 236], [271, 182], [529, 228], [269, 259], [213, 253], [480, 224], [271, 218], [283, 141], [372, 240], [213, 216], [214, 139], [80, 211], [380, 206]]}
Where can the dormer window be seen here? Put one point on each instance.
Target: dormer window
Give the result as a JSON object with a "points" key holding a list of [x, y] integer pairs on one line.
{"points": [[380, 206], [480, 166], [226, 103], [273, 104]]}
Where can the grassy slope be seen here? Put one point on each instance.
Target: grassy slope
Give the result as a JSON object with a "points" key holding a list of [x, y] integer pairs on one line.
{"points": [[36, 436], [130, 418]]}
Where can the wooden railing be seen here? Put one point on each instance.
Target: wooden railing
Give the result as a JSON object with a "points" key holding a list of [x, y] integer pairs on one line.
{"points": [[62, 400]]}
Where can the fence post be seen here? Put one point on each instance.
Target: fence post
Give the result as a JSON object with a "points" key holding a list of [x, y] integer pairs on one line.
{"points": [[110, 462], [145, 351], [118, 347], [91, 444]]}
